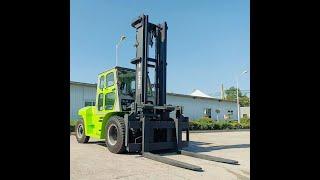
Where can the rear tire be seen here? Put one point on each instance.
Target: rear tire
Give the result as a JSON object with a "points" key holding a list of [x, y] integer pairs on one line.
{"points": [[115, 134], [80, 132]]}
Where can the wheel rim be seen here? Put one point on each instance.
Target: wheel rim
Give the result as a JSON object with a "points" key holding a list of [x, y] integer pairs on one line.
{"points": [[112, 134], [80, 131]]}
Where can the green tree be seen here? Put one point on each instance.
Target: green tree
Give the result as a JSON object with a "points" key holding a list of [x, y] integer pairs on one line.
{"points": [[231, 94], [244, 101]]}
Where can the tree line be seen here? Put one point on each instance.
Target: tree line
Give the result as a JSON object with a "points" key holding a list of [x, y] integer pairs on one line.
{"points": [[231, 94]]}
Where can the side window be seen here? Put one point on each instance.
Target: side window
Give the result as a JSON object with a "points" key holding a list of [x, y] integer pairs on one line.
{"points": [[110, 79], [89, 103], [101, 82], [100, 102], [207, 112], [230, 113], [109, 101], [133, 85]]}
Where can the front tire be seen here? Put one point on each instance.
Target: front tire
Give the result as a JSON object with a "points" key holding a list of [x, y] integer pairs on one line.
{"points": [[80, 132], [115, 134]]}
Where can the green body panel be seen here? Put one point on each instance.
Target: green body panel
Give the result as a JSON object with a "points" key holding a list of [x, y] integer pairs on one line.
{"points": [[95, 119]]}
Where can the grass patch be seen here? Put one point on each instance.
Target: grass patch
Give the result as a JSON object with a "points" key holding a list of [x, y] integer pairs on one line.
{"points": [[209, 124]]}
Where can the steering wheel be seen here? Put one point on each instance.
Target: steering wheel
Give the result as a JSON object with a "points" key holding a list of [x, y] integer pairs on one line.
{"points": [[132, 92]]}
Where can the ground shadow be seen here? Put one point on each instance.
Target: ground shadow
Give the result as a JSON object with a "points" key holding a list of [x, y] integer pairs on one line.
{"points": [[196, 146], [101, 143]]}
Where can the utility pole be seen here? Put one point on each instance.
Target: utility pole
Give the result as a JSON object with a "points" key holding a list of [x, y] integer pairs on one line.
{"points": [[238, 104], [117, 46], [222, 92]]}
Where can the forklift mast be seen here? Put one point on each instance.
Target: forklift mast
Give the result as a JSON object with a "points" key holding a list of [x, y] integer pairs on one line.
{"points": [[149, 126], [145, 33]]}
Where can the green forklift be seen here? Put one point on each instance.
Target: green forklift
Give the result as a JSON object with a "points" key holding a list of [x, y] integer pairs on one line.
{"points": [[131, 113]]}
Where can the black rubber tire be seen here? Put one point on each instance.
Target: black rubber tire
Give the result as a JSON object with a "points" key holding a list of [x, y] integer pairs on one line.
{"points": [[84, 138], [119, 146]]}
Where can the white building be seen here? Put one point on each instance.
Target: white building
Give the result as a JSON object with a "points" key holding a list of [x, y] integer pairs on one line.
{"points": [[194, 106], [245, 112], [81, 95]]}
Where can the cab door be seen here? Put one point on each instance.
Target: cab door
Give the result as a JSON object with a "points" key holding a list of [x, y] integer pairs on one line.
{"points": [[100, 112], [106, 98], [110, 92]]}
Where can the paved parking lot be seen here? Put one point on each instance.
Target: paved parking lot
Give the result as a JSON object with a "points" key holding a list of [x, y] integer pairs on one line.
{"points": [[94, 161]]}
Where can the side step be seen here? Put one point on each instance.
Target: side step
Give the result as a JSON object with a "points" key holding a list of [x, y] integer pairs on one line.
{"points": [[209, 158], [171, 161]]}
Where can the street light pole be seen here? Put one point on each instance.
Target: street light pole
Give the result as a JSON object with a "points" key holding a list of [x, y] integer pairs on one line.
{"points": [[117, 46], [238, 103], [116, 54]]}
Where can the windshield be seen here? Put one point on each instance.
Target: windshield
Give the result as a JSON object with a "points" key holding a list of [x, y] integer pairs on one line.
{"points": [[127, 83]]}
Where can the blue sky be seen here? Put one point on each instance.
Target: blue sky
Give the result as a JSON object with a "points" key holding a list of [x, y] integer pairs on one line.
{"points": [[208, 40]]}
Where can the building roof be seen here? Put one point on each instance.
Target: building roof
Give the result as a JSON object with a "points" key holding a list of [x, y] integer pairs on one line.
{"points": [[191, 96], [82, 83], [199, 93], [172, 94]]}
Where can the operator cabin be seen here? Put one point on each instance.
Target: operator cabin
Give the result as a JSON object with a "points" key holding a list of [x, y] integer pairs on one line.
{"points": [[195, 106]]}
